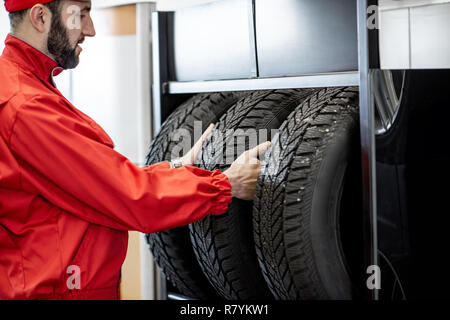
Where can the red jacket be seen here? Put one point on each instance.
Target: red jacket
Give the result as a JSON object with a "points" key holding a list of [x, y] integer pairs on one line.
{"points": [[67, 199]]}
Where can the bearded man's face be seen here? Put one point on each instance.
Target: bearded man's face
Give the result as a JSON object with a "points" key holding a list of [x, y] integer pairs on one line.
{"points": [[68, 30]]}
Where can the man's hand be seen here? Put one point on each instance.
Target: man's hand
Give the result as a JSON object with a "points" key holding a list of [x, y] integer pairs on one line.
{"points": [[191, 156], [243, 173]]}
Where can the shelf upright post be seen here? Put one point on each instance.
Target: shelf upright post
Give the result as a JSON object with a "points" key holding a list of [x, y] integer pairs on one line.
{"points": [[367, 143]]}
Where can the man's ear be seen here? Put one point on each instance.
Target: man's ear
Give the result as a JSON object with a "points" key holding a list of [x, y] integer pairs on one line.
{"points": [[40, 18]]}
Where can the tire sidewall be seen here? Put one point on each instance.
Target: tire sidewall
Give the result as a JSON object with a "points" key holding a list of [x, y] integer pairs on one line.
{"points": [[324, 223]]}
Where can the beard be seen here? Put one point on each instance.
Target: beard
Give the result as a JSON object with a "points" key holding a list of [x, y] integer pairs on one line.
{"points": [[58, 44]]}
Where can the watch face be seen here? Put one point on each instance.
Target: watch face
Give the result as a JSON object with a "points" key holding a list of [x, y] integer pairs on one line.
{"points": [[178, 164]]}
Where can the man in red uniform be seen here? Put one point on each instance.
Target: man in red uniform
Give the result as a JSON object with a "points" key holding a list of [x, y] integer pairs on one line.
{"points": [[67, 199]]}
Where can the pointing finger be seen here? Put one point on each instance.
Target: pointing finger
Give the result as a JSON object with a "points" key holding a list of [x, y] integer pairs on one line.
{"points": [[198, 146], [206, 134], [259, 150], [251, 156]]}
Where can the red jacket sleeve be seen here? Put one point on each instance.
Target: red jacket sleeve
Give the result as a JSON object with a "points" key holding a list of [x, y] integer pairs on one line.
{"points": [[63, 161]]}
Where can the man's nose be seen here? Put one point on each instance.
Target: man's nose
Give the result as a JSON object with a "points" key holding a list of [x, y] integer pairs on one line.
{"points": [[89, 29]]}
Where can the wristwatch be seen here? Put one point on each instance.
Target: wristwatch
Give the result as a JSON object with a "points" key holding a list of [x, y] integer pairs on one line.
{"points": [[177, 163]]}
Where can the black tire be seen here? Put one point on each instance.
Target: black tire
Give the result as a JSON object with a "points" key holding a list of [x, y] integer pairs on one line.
{"points": [[298, 199], [224, 244], [172, 249]]}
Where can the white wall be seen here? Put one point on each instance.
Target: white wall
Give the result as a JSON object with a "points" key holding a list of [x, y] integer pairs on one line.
{"points": [[162, 5], [166, 5], [105, 88]]}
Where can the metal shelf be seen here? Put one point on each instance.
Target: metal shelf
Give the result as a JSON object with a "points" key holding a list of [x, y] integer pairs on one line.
{"points": [[337, 79], [165, 91]]}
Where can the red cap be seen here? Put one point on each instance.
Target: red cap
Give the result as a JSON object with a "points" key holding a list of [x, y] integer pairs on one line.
{"points": [[18, 5]]}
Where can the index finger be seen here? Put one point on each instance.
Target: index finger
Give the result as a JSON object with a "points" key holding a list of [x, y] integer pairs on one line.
{"points": [[259, 150], [204, 136]]}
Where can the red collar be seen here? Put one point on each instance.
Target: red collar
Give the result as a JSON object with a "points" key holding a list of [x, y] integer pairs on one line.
{"points": [[31, 59]]}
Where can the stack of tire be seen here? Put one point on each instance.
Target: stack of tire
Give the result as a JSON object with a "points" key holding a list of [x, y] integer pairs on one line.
{"points": [[300, 237]]}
